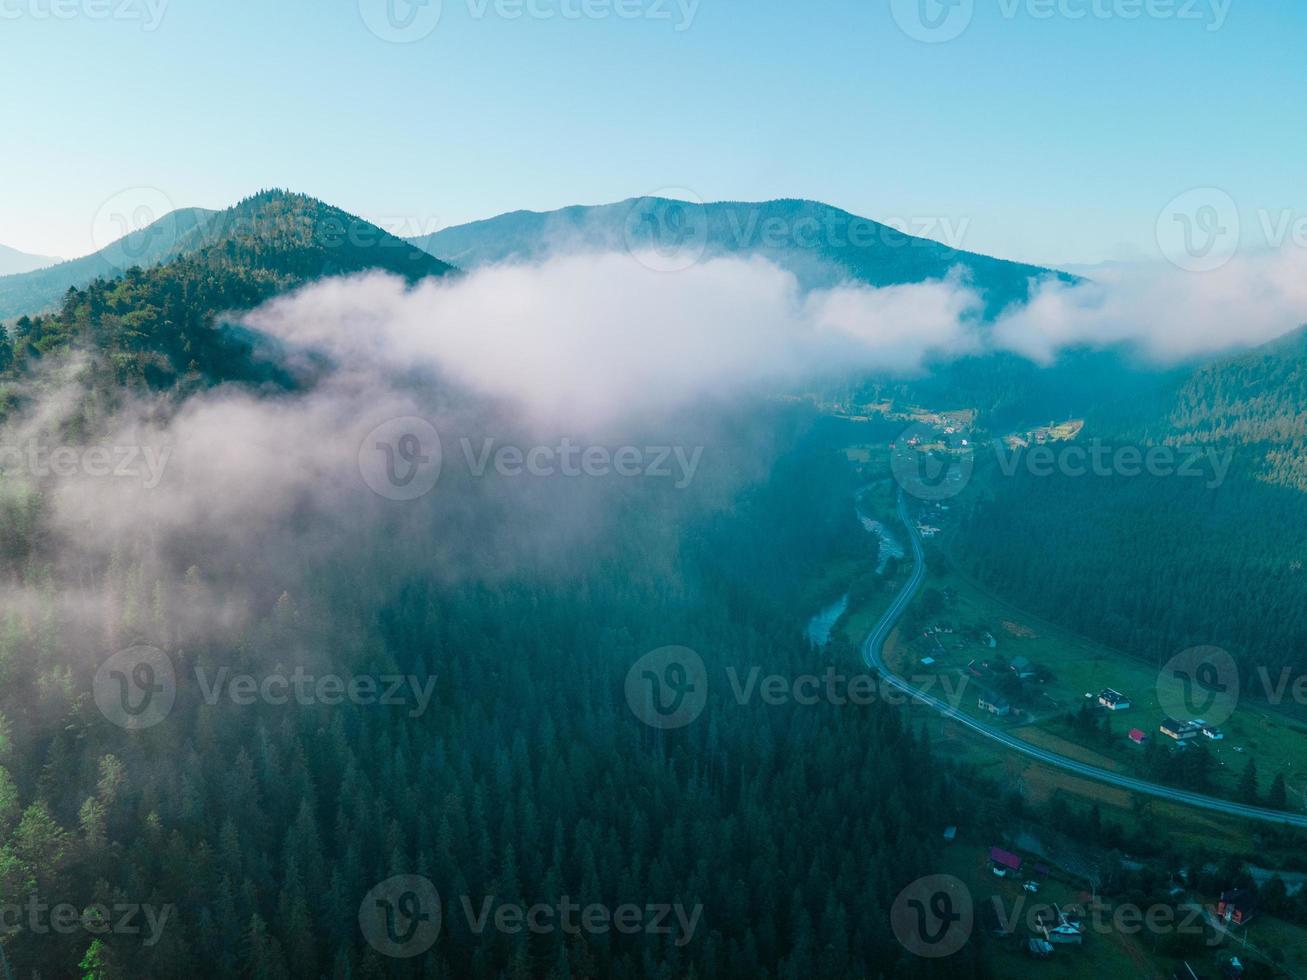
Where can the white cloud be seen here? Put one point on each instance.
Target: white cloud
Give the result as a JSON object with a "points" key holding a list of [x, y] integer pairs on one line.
{"points": [[590, 339], [1168, 313]]}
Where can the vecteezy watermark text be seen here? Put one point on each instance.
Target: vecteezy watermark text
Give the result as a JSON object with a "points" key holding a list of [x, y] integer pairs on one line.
{"points": [[571, 459], [402, 459], [1205, 683], [1097, 458], [402, 917], [148, 12], [838, 689], [938, 21], [668, 230], [409, 21], [145, 464], [40, 918], [679, 13], [933, 465], [934, 917], [302, 688], [574, 919], [1204, 228], [136, 688], [668, 688]]}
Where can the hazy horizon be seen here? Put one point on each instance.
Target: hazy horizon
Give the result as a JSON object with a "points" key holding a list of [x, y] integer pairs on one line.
{"points": [[1011, 128]]}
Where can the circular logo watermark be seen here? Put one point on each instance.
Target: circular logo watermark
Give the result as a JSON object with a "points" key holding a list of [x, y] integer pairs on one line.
{"points": [[933, 21], [401, 21], [401, 459], [667, 687], [931, 465], [933, 917], [1199, 231], [136, 687], [136, 226], [667, 231], [401, 917], [1201, 683]]}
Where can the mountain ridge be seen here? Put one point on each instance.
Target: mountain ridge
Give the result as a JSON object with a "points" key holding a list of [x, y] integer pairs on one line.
{"points": [[187, 231], [40, 290], [168, 322], [821, 244], [14, 262]]}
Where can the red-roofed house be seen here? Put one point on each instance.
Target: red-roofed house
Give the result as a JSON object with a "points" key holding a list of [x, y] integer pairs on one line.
{"points": [[1236, 906], [1001, 861], [1138, 736]]}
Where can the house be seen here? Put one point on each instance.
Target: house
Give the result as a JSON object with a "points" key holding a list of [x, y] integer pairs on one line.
{"points": [[1214, 733], [1066, 931], [1138, 736], [1236, 906], [950, 834], [1022, 667], [1181, 731], [1040, 949], [1003, 862], [1065, 934], [1113, 700], [994, 704]]}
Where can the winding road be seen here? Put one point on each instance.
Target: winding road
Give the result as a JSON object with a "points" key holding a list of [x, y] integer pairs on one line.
{"points": [[873, 648]]}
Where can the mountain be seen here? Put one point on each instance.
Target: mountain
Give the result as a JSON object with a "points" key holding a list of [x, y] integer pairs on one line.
{"points": [[35, 292], [1258, 396], [13, 262], [161, 324], [820, 244], [1207, 546]]}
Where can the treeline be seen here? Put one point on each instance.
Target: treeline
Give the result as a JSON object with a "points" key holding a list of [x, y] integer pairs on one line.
{"points": [[161, 327], [1151, 565], [527, 779]]}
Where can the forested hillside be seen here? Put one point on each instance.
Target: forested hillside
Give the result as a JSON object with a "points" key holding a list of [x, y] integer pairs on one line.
{"points": [[1155, 564], [1151, 565], [820, 244], [1258, 400], [39, 291], [158, 326], [527, 777], [794, 826]]}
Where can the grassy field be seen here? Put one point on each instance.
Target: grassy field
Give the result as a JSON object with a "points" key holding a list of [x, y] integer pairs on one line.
{"points": [[1106, 954], [1107, 951], [1079, 666], [1074, 666]]}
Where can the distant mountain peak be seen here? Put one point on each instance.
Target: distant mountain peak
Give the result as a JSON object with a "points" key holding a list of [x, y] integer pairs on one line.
{"points": [[821, 244], [13, 262], [304, 237]]}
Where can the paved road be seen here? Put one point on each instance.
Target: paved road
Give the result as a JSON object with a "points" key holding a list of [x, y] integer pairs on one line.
{"points": [[873, 647]]}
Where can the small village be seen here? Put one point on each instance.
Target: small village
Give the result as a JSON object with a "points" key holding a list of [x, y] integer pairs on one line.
{"points": [[1040, 911]]}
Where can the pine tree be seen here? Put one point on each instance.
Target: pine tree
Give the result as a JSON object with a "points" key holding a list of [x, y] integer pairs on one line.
{"points": [[95, 964], [1248, 783], [1278, 798]]}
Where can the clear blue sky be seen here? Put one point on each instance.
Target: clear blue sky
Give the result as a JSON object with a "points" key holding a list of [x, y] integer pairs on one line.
{"points": [[1056, 140]]}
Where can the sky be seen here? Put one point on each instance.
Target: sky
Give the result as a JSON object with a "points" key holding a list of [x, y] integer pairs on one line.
{"points": [[1060, 132]]}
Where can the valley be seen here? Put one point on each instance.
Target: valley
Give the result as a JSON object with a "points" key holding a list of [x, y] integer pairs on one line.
{"points": [[944, 628]]}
